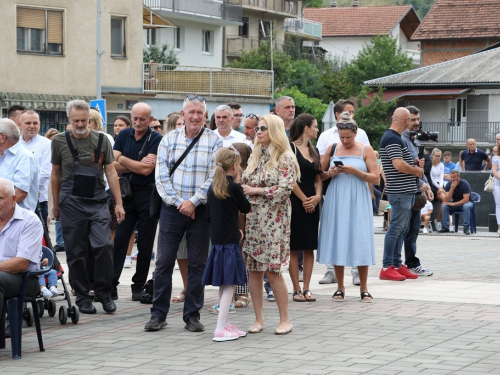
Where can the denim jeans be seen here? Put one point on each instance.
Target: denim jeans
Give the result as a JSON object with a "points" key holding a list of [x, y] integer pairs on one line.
{"points": [[410, 240], [448, 210], [59, 236], [401, 205], [51, 276]]}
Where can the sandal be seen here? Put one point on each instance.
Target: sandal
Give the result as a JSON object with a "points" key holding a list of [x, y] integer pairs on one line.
{"points": [[180, 298], [309, 296], [215, 309], [298, 296], [242, 301], [366, 295], [338, 293]]}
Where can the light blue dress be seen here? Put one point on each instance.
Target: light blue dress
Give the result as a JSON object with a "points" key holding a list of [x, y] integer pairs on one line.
{"points": [[346, 227]]}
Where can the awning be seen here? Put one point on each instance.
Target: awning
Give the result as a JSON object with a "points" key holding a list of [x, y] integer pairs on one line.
{"points": [[152, 20], [441, 93], [39, 101]]}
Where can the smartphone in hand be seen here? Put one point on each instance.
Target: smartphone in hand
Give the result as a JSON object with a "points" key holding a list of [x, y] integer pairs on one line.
{"points": [[338, 163]]}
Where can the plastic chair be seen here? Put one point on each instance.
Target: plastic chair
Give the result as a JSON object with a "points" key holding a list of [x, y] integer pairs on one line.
{"points": [[474, 198], [15, 307]]}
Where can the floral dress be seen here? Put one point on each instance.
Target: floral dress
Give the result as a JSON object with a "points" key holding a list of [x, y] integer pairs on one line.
{"points": [[267, 229]]}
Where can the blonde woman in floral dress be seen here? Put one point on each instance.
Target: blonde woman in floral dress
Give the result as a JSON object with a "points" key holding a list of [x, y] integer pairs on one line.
{"points": [[268, 181]]}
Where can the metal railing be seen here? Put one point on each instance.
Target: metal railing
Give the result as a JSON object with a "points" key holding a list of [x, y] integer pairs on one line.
{"points": [[459, 132], [282, 6], [301, 26], [181, 79], [237, 44], [203, 8]]}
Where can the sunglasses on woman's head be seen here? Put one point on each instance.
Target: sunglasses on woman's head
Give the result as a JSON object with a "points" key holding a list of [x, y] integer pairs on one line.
{"points": [[252, 115], [343, 126]]}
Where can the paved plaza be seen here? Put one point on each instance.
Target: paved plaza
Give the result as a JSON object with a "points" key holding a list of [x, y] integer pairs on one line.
{"points": [[448, 323]]}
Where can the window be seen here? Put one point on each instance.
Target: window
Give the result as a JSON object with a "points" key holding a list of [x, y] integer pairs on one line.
{"points": [[40, 31], [264, 29], [243, 30], [177, 38], [118, 37], [151, 37], [206, 43]]}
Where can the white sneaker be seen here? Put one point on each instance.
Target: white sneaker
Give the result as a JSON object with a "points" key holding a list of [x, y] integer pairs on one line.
{"points": [[425, 231], [421, 271], [46, 293], [54, 291], [128, 263], [437, 224], [355, 276]]}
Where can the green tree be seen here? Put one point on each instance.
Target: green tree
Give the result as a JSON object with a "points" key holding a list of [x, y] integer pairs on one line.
{"points": [[162, 55], [303, 103], [305, 76], [334, 83], [381, 57], [372, 114]]}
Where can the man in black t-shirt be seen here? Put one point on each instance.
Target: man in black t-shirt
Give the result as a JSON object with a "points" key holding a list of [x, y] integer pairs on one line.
{"points": [[401, 176], [457, 198]]}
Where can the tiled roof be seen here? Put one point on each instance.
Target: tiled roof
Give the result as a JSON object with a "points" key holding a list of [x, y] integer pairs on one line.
{"points": [[358, 21], [459, 19], [480, 68]]}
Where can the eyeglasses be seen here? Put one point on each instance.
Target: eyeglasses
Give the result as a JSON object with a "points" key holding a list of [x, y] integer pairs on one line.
{"points": [[195, 97], [415, 119], [252, 115], [261, 128], [231, 147], [347, 125], [157, 127]]}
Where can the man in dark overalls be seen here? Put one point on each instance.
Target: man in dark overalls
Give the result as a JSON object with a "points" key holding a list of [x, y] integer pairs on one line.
{"points": [[79, 158]]}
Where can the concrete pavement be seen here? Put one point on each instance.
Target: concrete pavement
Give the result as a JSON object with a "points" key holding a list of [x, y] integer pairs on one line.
{"points": [[448, 323]]}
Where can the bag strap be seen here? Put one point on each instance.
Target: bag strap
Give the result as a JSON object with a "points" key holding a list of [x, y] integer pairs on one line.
{"points": [[144, 145], [334, 146], [97, 151], [70, 145], [178, 162]]}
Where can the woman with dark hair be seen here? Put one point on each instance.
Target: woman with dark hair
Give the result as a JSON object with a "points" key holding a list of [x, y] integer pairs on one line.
{"points": [[120, 123], [305, 197]]}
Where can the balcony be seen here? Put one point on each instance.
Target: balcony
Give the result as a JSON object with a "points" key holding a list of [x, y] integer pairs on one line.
{"points": [[201, 10], [303, 28], [414, 55], [459, 132], [180, 79], [237, 44], [284, 7]]}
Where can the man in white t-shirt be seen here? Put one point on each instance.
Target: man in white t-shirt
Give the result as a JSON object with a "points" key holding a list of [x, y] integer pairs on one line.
{"points": [[223, 120], [327, 138]]}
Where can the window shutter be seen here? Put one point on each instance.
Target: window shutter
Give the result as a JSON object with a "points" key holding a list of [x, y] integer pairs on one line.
{"points": [[31, 18], [55, 27]]}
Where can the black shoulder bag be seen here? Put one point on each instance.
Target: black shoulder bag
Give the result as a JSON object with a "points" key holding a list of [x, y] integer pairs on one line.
{"points": [[327, 181], [125, 187], [155, 201]]}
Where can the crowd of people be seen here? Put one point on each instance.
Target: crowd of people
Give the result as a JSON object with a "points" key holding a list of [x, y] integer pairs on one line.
{"points": [[238, 204]]}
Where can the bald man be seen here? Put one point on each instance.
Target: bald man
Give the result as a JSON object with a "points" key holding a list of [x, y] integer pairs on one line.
{"points": [[401, 185], [135, 159]]}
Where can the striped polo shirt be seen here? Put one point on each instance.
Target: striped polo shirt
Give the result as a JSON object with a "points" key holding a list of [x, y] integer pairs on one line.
{"points": [[393, 147]]}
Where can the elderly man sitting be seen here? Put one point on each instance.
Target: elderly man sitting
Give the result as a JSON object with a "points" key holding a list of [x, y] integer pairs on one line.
{"points": [[20, 244]]}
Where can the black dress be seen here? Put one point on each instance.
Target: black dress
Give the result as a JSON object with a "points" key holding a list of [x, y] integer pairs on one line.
{"points": [[304, 226]]}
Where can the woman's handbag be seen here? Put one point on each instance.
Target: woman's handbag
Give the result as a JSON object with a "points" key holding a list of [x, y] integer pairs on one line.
{"points": [[420, 201], [489, 185]]}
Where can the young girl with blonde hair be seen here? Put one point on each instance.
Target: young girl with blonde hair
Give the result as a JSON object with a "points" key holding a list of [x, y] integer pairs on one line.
{"points": [[225, 267]]}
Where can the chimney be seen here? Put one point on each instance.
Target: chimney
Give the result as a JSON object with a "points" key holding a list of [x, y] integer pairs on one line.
{"points": [[355, 3], [333, 4]]}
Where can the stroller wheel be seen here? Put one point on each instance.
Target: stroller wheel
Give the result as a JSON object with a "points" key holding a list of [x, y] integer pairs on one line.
{"points": [[63, 314], [29, 316], [41, 308], [74, 313], [52, 308]]}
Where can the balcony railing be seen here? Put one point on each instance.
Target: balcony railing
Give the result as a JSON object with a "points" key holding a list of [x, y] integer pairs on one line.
{"points": [[282, 6], [303, 27], [237, 44], [459, 132], [179, 79], [205, 8]]}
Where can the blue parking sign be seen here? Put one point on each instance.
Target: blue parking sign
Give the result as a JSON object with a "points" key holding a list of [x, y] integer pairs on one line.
{"points": [[100, 104]]}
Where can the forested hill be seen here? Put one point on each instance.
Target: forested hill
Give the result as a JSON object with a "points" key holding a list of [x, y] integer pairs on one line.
{"points": [[421, 6]]}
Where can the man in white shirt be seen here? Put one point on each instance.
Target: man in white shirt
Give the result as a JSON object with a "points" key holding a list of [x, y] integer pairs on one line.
{"points": [[223, 120], [40, 147], [327, 138]]}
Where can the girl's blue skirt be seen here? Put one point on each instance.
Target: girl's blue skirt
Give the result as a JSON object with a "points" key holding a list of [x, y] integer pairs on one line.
{"points": [[225, 266]]}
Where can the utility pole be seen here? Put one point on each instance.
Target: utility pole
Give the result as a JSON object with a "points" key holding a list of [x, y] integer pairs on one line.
{"points": [[271, 35], [99, 50]]}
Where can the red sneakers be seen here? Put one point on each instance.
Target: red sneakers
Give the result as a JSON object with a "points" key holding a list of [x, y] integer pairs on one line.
{"points": [[391, 274], [403, 270]]}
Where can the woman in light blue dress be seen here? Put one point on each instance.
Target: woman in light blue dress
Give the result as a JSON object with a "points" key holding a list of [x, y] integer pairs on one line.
{"points": [[346, 228]]}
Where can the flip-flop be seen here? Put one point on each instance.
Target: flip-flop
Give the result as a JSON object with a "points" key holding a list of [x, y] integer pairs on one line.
{"points": [[338, 293], [366, 295], [300, 297], [309, 296], [180, 298], [242, 301]]}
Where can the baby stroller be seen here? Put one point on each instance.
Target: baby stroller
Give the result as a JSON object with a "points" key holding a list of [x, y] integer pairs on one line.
{"points": [[49, 304]]}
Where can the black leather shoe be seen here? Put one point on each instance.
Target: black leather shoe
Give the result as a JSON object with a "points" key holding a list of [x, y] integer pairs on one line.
{"points": [[114, 294], [137, 294], [107, 304], [193, 324], [86, 307], [155, 323], [59, 249], [444, 230]]}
